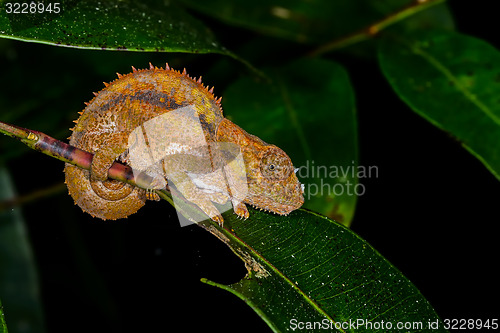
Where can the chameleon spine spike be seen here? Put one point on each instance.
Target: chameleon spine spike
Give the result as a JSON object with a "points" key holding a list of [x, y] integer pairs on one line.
{"points": [[119, 75], [199, 80], [151, 66], [184, 72], [167, 67], [106, 84], [95, 94], [134, 69], [211, 90]]}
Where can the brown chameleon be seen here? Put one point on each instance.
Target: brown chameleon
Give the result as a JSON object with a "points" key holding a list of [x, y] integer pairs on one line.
{"points": [[168, 125]]}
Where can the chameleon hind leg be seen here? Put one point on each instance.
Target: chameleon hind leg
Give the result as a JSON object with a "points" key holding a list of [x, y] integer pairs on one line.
{"points": [[114, 146]]}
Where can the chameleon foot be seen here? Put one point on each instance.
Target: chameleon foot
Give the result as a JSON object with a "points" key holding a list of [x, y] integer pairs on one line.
{"points": [[218, 219], [241, 210], [152, 195]]}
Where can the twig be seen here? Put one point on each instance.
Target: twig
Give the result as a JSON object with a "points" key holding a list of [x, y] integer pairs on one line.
{"points": [[374, 29], [64, 152]]}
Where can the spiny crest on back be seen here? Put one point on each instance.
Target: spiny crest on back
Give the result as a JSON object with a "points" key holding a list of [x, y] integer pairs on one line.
{"points": [[184, 73]]}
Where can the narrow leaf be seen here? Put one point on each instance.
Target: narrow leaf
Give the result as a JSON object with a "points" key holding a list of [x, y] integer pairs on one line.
{"points": [[18, 276], [308, 110], [114, 25], [453, 81], [305, 269]]}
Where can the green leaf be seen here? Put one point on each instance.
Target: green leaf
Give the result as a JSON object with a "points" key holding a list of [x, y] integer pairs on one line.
{"points": [[18, 276], [111, 25], [307, 268], [453, 81], [435, 17], [3, 324], [313, 22], [307, 110]]}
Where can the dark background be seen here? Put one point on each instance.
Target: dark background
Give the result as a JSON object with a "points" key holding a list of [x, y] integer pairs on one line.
{"points": [[432, 212]]}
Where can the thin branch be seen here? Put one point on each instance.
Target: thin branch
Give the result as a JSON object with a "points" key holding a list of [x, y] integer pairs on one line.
{"points": [[372, 30], [64, 152]]}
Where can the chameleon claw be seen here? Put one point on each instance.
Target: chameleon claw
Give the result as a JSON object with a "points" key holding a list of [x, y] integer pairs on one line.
{"points": [[218, 219]]}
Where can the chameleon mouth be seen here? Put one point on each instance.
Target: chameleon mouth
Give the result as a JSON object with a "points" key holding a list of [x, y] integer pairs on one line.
{"points": [[275, 207]]}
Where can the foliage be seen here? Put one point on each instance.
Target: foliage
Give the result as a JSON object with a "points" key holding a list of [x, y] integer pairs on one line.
{"points": [[283, 70]]}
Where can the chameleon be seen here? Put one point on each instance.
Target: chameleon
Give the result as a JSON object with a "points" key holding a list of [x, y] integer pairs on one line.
{"points": [[171, 126]]}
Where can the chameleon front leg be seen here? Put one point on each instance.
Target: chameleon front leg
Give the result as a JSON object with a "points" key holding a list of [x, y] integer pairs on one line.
{"points": [[195, 195]]}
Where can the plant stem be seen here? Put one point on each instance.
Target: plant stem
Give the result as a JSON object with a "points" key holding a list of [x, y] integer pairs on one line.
{"points": [[64, 152], [374, 29], [14, 131]]}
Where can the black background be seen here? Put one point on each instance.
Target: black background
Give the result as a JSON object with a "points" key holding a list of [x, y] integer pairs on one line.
{"points": [[432, 212]]}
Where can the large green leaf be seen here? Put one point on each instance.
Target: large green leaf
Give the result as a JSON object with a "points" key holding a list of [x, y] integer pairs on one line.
{"points": [[18, 276], [116, 25], [453, 81], [308, 110], [315, 21], [305, 268]]}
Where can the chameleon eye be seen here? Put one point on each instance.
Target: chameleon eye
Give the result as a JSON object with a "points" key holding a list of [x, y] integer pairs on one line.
{"points": [[275, 164]]}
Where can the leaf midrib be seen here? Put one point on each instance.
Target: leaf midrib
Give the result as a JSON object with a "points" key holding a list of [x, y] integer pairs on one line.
{"points": [[280, 274], [449, 75]]}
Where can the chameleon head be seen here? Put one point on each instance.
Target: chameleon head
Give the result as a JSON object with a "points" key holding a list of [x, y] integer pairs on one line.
{"points": [[273, 185], [271, 181]]}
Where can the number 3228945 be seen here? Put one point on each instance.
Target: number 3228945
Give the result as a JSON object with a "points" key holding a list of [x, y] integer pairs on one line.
{"points": [[32, 8], [469, 324]]}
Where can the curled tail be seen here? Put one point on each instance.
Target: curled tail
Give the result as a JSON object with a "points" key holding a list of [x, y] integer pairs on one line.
{"points": [[108, 200]]}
